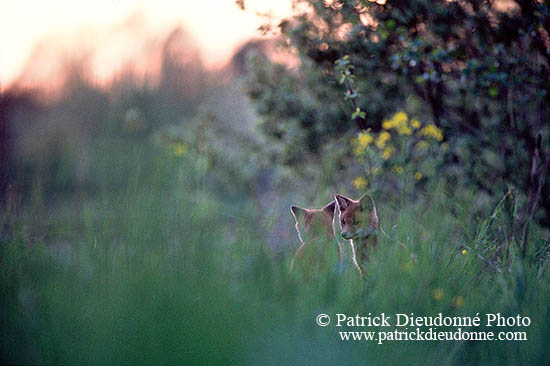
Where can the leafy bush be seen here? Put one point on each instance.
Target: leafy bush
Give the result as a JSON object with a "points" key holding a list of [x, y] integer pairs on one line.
{"points": [[404, 152], [477, 70]]}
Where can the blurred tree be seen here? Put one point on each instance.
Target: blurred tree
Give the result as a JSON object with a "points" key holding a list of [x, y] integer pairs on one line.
{"points": [[477, 69], [13, 103]]}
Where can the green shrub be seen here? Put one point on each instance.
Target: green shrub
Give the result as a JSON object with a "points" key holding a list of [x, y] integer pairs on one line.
{"points": [[477, 70]]}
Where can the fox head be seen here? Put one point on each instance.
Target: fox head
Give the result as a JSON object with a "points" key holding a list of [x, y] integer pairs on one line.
{"points": [[310, 223], [358, 219]]}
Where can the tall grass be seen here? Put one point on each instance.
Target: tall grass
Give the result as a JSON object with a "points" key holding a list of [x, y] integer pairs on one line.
{"points": [[160, 265]]}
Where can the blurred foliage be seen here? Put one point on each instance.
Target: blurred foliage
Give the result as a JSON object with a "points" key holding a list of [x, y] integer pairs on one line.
{"points": [[476, 70], [164, 268], [51, 133]]}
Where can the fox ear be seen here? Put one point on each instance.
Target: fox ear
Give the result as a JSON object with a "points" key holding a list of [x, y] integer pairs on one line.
{"points": [[329, 208], [366, 204], [299, 213], [342, 201]]}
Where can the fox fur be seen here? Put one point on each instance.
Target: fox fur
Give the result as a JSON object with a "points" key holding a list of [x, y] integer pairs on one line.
{"points": [[315, 228], [358, 221]]}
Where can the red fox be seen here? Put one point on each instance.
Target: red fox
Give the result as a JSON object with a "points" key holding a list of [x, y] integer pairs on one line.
{"points": [[359, 225], [316, 235]]}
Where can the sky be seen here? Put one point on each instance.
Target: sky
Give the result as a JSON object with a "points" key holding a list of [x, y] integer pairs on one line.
{"points": [[113, 32]]}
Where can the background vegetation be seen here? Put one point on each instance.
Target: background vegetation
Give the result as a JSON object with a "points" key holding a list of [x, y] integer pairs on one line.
{"points": [[148, 223]]}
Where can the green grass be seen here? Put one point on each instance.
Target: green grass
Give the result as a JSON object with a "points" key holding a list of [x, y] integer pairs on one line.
{"points": [[158, 264]]}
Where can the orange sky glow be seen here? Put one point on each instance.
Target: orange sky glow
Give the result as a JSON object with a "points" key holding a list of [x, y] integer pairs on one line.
{"points": [[36, 36]]}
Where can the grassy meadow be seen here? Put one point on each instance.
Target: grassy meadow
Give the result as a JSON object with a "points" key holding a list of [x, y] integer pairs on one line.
{"points": [[163, 265]]}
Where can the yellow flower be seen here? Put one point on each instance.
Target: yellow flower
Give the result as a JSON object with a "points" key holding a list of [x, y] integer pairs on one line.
{"points": [[360, 183], [432, 131], [398, 169], [418, 175], [387, 124], [383, 137], [361, 142], [404, 130], [415, 123], [364, 139], [459, 302], [438, 294], [387, 153], [464, 251], [179, 149], [400, 117], [399, 121]]}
